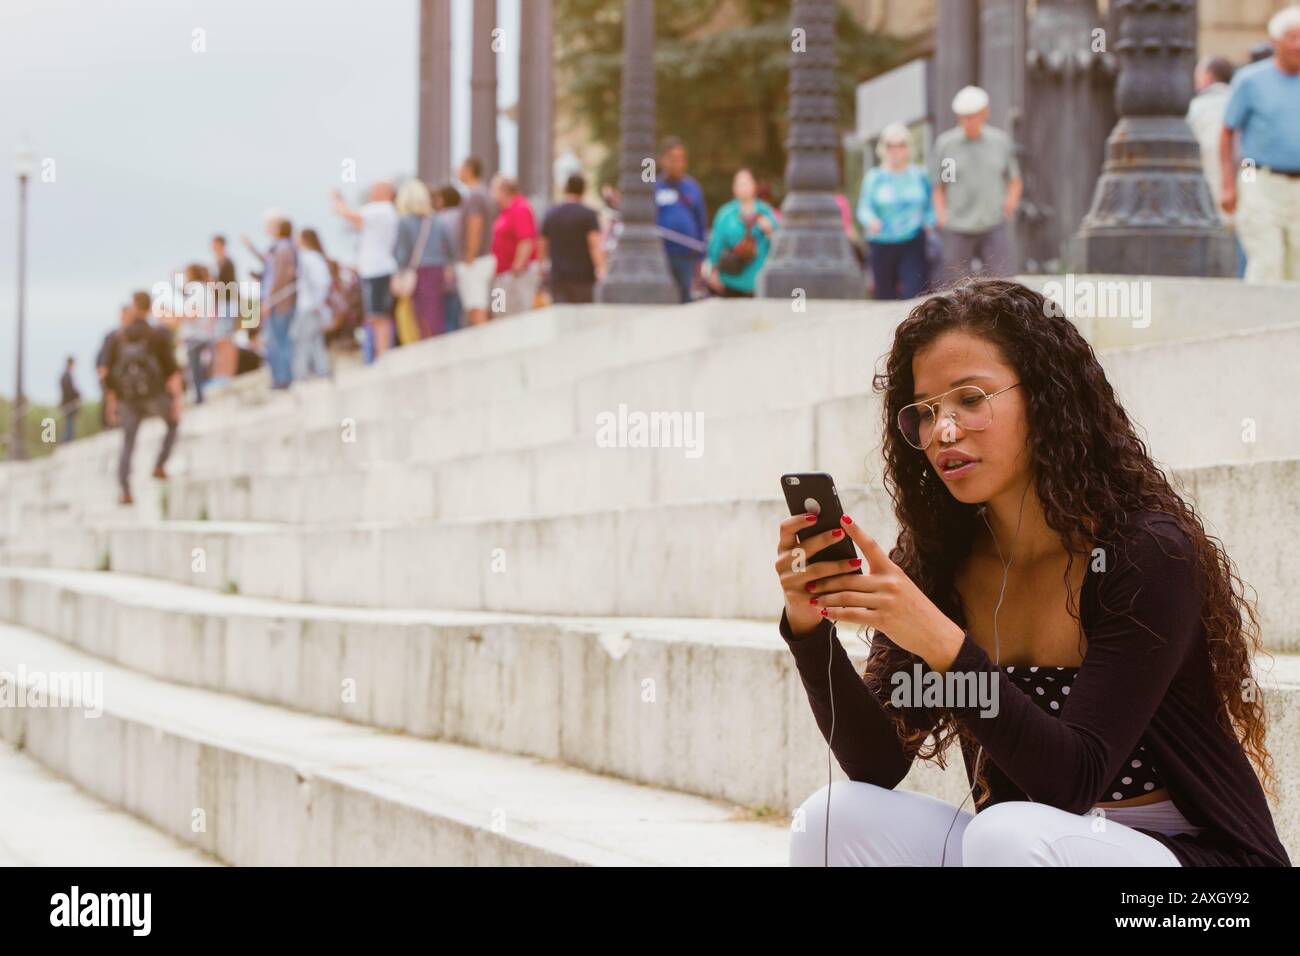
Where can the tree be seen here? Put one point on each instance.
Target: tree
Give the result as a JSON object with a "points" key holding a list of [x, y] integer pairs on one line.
{"points": [[36, 430], [721, 89]]}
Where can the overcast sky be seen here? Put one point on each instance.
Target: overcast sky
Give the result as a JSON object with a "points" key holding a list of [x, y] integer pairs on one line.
{"points": [[154, 146]]}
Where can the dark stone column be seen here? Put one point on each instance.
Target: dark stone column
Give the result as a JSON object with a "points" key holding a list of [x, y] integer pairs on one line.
{"points": [[536, 101], [956, 56], [1001, 63], [434, 160], [1152, 212], [810, 251], [483, 88], [1065, 76], [638, 267], [1002, 75]]}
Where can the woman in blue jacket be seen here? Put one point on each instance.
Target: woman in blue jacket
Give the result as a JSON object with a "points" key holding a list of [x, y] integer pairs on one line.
{"points": [[732, 268], [896, 210]]}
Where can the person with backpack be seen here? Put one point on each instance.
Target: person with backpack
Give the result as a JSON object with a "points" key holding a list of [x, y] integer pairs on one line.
{"points": [[142, 379], [741, 240], [107, 418]]}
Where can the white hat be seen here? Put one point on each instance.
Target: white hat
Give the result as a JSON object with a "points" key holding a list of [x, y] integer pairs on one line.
{"points": [[1283, 22], [969, 99]]}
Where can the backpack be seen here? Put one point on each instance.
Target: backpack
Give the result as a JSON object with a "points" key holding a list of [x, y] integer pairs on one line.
{"points": [[136, 372]]}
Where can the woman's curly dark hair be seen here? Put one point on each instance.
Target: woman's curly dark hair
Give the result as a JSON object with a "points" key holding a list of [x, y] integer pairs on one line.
{"points": [[1092, 472]]}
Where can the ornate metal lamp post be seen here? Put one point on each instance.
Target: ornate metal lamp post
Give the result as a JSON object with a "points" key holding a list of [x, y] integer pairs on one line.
{"points": [[483, 89], [1066, 74], [24, 166], [810, 251], [1152, 212], [434, 138], [638, 268], [536, 102]]}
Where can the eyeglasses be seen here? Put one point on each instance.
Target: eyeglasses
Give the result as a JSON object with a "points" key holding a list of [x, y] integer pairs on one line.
{"points": [[968, 407]]}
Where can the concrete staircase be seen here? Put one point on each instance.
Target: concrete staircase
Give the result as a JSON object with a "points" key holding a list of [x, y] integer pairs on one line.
{"points": [[421, 615], [47, 821]]}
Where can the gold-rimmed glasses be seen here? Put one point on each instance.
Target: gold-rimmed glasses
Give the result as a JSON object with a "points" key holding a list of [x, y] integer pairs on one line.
{"points": [[966, 406]]}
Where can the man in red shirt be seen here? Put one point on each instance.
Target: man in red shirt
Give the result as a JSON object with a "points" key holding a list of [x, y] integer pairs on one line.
{"points": [[514, 243]]}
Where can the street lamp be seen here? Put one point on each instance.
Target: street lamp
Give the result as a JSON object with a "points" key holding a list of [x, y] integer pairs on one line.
{"points": [[810, 252], [24, 166], [1152, 211], [638, 266]]}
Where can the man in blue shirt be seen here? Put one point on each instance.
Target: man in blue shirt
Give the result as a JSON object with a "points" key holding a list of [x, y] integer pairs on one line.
{"points": [[680, 215], [1263, 185]]}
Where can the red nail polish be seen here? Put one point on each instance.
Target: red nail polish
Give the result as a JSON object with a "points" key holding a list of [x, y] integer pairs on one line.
{"points": [[855, 562], [847, 520], [824, 614], [837, 533], [809, 587], [813, 601], [812, 517]]}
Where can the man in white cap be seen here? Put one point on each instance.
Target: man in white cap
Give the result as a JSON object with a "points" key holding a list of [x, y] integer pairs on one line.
{"points": [[977, 187]]}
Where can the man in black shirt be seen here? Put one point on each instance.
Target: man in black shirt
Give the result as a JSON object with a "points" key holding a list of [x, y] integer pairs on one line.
{"points": [[141, 378], [571, 240], [69, 401]]}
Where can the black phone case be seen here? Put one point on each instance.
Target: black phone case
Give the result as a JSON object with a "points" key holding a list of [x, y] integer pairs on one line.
{"points": [[821, 488]]}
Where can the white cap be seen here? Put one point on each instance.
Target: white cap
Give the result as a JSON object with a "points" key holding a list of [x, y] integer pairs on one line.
{"points": [[969, 99], [1283, 22]]}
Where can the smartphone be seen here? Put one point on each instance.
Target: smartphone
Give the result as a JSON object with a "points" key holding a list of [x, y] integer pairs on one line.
{"points": [[815, 492]]}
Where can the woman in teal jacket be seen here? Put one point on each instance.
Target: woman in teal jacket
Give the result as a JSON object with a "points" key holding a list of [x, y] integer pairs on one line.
{"points": [[896, 210], [745, 212]]}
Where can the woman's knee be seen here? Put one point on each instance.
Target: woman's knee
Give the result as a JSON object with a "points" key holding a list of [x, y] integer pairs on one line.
{"points": [[854, 808], [1012, 833]]}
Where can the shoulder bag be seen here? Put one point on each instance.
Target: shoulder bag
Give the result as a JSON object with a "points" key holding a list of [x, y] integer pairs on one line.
{"points": [[402, 283], [735, 259]]}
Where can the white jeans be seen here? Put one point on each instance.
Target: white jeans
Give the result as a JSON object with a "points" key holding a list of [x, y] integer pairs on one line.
{"points": [[873, 826]]}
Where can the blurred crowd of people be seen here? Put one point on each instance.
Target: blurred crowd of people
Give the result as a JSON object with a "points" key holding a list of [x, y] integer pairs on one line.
{"points": [[432, 259]]}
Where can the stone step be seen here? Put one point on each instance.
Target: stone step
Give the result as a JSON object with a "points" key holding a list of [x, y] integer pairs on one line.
{"points": [[728, 719], [1179, 309], [46, 821], [475, 417], [541, 349], [277, 788], [426, 404], [523, 456], [733, 455], [726, 716], [701, 559]]}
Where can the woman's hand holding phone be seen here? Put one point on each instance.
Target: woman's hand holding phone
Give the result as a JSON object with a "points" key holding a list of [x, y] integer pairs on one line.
{"points": [[884, 598], [798, 573]]}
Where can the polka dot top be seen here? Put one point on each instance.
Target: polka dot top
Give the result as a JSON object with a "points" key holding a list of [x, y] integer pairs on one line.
{"points": [[1049, 687]]}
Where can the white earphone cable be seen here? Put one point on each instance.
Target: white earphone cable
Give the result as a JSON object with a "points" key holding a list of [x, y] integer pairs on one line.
{"points": [[997, 646]]}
